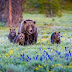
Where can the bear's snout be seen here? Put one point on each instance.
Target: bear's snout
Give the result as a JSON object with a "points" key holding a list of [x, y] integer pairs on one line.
{"points": [[21, 38], [13, 34], [31, 30]]}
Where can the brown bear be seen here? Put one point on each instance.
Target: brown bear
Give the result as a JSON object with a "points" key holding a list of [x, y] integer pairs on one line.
{"points": [[55, 38], [20, 39], [12, 35], [29, 28]]}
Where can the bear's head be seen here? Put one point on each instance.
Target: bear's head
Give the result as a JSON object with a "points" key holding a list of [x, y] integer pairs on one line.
{"points": [[57, 35], [29, 26], [12, 32], [21, 36]]}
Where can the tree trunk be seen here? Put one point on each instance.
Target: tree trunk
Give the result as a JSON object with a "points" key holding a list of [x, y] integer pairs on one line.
{"points": [[10, 13], [13, 16]]}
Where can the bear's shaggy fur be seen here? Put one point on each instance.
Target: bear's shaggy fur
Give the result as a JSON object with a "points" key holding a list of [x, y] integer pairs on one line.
{"points": [[12, 35], [20, 39], [29, 29], [55, 38]]}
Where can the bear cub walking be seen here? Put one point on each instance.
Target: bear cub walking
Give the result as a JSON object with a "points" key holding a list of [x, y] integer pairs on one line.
{"points": [[55, 38], [12, 35]]}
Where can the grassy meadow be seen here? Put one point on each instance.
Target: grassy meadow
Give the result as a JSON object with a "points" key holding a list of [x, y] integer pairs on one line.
{"points": [[42, 56]]}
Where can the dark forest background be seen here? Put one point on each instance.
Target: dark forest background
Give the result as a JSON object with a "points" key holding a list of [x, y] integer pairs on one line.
{"points": [[50, 8]]}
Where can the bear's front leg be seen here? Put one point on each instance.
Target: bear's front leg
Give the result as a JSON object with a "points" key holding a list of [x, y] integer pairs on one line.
{"points": [[35, 35]]}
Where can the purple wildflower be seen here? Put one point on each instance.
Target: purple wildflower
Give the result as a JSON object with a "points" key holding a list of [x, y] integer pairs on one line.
{"points": [[65, 48]]}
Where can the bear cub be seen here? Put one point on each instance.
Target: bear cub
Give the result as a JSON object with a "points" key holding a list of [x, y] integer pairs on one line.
{"points": [[55, 38], [20, 39], [12, 35]]}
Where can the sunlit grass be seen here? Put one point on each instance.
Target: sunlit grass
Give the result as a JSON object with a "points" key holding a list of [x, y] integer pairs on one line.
{"points": [[11, 55]]}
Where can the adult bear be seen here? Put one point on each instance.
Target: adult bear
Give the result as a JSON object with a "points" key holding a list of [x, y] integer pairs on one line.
{"points": [[29, 29]]}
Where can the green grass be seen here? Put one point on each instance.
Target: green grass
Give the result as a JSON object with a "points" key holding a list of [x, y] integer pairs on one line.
{"points": [[46, 26]]}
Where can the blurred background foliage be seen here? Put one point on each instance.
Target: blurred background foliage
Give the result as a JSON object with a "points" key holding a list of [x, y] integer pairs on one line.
{"points": [[50, 8], [45, 6]]}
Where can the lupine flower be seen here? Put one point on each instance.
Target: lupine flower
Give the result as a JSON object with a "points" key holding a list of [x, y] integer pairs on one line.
{"points": [[0, 65], [46, 53], [20, 59], [22, 56], [70, 53], [48, 56], [44, 56], [36, 57], [27, 56], [27, 60], [61, 57], [59, 53], [10, 55], [49, 48], [56, 51], [66, 55], [61, 36], [40, 58], [66, 58], [39, 49], [65, 49]]}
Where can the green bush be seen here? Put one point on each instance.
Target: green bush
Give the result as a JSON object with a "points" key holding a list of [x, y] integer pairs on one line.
{"points": [[50, 7]]}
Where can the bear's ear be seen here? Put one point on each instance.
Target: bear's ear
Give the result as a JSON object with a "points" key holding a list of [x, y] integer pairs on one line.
{"points": [[24, 22], [10, 29], [59, 32], [55, 32], [34, 22]]}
